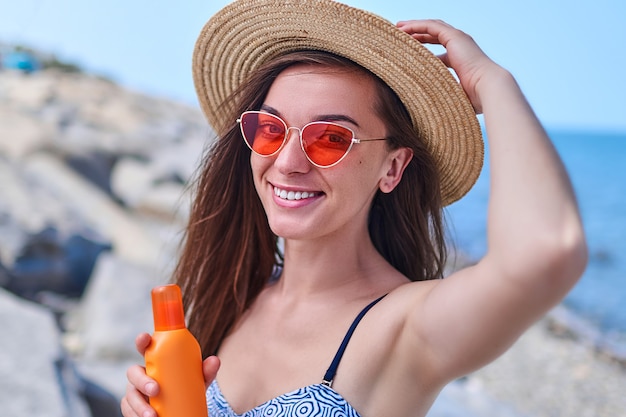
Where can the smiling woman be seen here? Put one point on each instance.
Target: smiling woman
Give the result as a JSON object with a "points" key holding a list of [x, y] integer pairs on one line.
{"points": [[350, 316]]}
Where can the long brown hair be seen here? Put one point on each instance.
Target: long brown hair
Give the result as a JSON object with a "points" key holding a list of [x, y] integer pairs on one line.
{"points": [[229, 252]]}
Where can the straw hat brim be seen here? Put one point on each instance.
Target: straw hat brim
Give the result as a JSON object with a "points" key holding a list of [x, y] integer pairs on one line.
{"points": [[245, 34]]}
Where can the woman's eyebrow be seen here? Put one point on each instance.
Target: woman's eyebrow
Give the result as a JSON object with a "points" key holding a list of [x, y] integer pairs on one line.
{"points": [[319, 118], [336, 118], [270, 109]]}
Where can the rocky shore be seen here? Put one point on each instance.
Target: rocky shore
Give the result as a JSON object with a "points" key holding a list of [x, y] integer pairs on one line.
{"points": [[93, 198]]}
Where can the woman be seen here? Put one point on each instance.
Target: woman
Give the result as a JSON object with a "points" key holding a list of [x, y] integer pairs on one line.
{"points": [[348, 151]]}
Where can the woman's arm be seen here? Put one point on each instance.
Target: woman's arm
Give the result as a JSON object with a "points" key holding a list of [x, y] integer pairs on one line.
{"points": [[536, 247]]}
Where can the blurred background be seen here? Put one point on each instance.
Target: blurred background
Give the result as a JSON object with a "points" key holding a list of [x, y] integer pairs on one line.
{"points": [[100, 133]]}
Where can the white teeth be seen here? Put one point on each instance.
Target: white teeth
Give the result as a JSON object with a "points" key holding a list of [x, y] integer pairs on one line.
{"points": [[292, 195]]}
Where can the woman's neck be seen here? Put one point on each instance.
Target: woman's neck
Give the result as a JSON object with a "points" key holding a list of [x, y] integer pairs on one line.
{"points": [[334, 267]]}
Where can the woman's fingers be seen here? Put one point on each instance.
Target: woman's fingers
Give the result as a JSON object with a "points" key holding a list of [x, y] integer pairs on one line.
{"points": [[135, 403], [210, 366], [438, 32], [140, 387], [127, 410], [425, 31], [142, 342], [141, 382], [462, 54]]}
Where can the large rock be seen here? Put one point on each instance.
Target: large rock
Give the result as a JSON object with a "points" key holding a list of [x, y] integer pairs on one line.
{"points": [[61, 138], [115, 308], [30, 346], [27, 92], [100, 212], [21, 134], [51, 262]]}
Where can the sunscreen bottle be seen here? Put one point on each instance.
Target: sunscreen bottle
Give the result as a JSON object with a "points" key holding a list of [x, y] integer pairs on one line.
{"points": [[174, 359]]}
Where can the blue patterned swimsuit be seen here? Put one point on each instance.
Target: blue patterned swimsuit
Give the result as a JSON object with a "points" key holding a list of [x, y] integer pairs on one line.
{"points": [[317, 400]]}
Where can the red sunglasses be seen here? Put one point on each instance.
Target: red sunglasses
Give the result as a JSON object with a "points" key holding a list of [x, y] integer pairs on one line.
{"points": [[325, 144]]}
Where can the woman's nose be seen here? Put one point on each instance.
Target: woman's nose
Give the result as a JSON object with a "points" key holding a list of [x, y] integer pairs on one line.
{"points": [[291, 157]]}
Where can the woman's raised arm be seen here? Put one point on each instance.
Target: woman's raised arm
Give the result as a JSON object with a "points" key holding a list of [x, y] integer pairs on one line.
{"points": [[536, 249]]}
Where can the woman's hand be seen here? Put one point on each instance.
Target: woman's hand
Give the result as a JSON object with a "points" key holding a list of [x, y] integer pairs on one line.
{"points": [[140, 386], [462, 54]]}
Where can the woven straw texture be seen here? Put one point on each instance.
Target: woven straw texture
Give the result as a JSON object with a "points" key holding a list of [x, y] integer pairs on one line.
{"points": [[247, 33]]}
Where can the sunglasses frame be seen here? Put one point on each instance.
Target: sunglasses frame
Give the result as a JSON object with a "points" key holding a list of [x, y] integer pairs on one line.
{"points": [[300, 130]]}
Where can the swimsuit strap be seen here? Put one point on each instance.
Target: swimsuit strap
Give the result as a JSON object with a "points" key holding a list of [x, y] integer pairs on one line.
{"points": [[332, 369]]}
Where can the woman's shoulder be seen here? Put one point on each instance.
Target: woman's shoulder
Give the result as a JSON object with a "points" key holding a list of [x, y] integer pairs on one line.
{"points": [[374, 369], [408, 294], [384, 325]]}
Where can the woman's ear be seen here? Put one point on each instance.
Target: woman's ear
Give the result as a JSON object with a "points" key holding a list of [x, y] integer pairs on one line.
{"points": [[397, 162]]}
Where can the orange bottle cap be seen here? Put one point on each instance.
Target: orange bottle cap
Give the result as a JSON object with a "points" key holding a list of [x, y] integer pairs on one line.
{"points": [[167, 308]]}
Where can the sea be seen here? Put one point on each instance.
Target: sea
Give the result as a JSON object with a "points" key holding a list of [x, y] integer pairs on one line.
{"points": [[596, 163]]}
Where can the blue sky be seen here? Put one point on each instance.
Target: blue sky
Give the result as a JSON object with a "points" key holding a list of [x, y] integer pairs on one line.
{"points": [[568, 55]]}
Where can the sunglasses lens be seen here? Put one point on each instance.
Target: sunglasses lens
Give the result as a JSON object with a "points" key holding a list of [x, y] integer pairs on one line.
{"points": [[263, 132], [326, 143]]}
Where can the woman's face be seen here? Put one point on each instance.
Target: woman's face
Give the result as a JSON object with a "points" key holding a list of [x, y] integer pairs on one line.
{"points": [[301, 200]]}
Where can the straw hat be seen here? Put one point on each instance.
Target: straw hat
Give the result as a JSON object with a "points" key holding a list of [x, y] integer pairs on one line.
{"points": [[247, 33]]}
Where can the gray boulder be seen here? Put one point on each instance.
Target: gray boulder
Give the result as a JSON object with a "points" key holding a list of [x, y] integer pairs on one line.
{"points": [[31, 352]]}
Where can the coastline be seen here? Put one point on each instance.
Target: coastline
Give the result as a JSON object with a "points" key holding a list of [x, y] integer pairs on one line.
{"points": [[549, 373], [563, 365]]}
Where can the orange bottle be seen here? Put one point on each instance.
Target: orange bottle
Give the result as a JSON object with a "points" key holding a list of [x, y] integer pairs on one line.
{"points": [[174, 359]]}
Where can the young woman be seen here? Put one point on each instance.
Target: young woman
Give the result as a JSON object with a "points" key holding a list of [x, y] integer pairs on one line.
{"points": [[319, 210]]}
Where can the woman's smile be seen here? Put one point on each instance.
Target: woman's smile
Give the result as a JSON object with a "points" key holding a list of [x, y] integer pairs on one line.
{"points": [[294, 195]]}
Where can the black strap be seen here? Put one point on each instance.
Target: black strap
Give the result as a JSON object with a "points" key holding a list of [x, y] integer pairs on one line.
{"points": [[332, 369]]}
